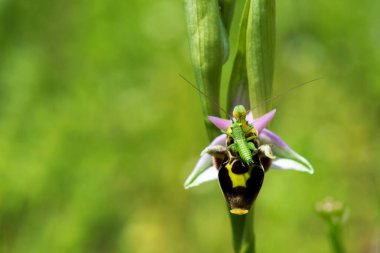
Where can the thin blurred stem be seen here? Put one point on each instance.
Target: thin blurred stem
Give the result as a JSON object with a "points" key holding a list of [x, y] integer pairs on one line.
{"points": [[377, 193], [336, 238]]}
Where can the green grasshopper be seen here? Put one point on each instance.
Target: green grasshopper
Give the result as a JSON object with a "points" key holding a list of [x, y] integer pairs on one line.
{"points": [[240, 135], [242, 138]]}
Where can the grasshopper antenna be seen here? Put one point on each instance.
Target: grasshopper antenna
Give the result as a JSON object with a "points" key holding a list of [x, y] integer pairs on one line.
{"points": [[206, 96], [286, 92]]}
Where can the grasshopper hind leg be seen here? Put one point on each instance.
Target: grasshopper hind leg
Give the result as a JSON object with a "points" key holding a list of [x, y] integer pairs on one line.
{"points": [[252, 147], [232, 147]]}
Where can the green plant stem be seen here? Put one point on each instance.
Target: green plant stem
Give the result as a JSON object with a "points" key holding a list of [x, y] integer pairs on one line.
{"points": [[243, 232], [336, 240], [256, 47]]}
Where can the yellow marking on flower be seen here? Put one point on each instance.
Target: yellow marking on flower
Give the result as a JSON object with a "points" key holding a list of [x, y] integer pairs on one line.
{"points": [[237, 180], [239, 211]]}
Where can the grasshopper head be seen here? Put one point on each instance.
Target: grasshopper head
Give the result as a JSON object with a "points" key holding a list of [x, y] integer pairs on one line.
{"points": [[239, 112]]}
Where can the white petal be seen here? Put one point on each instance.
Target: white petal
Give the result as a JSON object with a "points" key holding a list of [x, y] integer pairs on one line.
{"points": [[202, 173], [209, 174], [286, 158], [288, 164]]}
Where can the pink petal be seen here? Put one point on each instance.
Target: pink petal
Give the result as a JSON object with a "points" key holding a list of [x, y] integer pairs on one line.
{"points": [[259, 123], [273, 138], [219, 122], [263, 121], [286, 158]]}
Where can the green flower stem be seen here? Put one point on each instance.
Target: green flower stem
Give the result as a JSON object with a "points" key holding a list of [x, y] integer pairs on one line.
{"points": [[260, 52], [242, 226], [243, 232], [335, 213], [376, 187], [208, 23], [238, 224], [253, 64], [209, 50], [336, 239]]}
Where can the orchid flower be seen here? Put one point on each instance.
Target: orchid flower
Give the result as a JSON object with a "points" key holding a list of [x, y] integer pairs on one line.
{"points": [[285, 158]]}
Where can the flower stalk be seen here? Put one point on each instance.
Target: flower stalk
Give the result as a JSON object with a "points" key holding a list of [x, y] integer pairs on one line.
{"points": [[243, 232], [250, 85], [335, 214], [253, 71]]}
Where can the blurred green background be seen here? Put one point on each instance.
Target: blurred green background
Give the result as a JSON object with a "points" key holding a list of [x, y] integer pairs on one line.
{"points": [[98, 132]]}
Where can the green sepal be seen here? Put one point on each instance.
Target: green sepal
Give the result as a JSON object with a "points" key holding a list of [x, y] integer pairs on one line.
{"points": [[238, 83], [227, 8], [209, 50], [260, 53]]}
